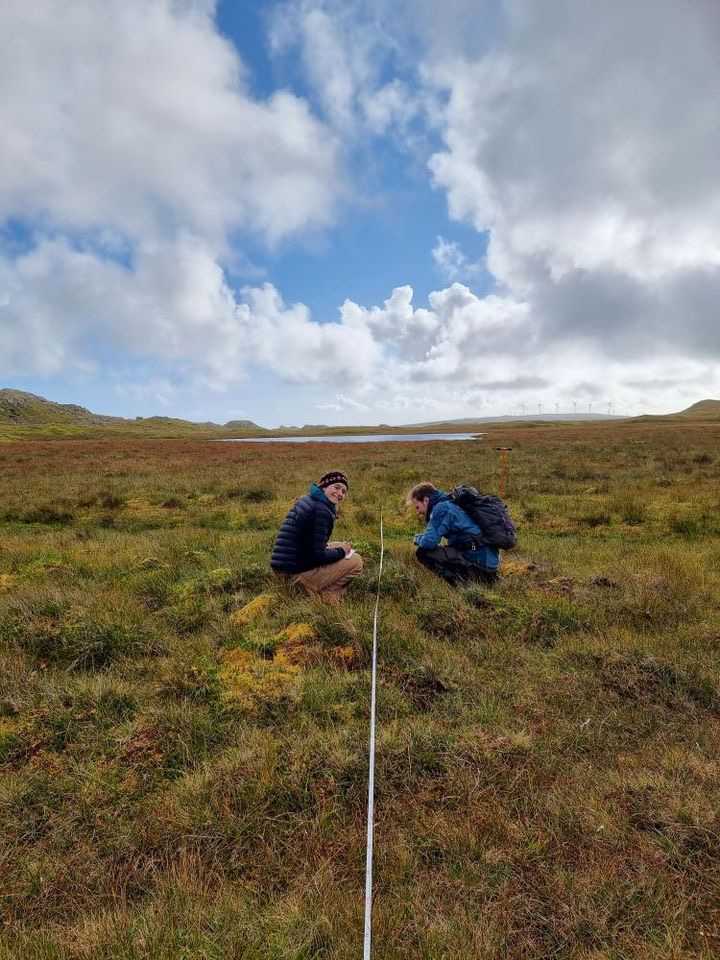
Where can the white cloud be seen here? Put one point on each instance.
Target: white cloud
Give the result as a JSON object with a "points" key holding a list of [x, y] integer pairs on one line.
{"points": [[153, 390], [452, 261], [583, 137], [578, 135], [461, 355], [174, 306], [344, 50], [132, 149], [342, 403], [136, 116], [288, 342], [587, 147]]}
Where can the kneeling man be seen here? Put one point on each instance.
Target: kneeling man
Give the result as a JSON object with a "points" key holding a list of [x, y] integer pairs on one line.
{"points": [[302, 550], [466, 556]]}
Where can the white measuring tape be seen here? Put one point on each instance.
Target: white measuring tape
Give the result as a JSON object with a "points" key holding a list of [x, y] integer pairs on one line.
{"points": [[371, 768]]}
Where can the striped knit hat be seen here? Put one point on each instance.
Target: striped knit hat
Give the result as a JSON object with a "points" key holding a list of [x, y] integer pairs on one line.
{"points": [[335, 476]]}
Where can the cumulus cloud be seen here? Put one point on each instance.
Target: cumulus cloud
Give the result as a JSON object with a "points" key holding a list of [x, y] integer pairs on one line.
{"points": [[344, 50], [587, 146], [452, 261], [581, 137], [287, 341], [343, 403], [153, 390], [174, 305], [132, 151], [137, 116]]}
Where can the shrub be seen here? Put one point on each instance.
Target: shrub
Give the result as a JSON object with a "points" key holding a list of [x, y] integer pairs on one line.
{"points": [[422, 684], [253, 576], [480, 597], [111, 501], [258, 495], [55, 633], [631, 507], [217, 520], [48, 514], [333, 629], [686, 526], [543, 625], [666, 598], [398, 580], [194, 680], [114, 705], [256, 522], [638, 677], [596, 518], [188, 615], [447, 620], [153, 586]]}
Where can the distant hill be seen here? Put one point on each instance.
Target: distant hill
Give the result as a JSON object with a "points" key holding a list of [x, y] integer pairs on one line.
{"points": [[27, 409], [242, 425], [520, 418], [28, 415], [702, 410]]}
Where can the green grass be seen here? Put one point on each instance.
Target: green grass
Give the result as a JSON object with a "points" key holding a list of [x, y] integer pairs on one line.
{"points": [[177, 784]]}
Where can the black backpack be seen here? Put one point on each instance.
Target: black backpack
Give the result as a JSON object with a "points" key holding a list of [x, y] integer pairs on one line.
{"points": [[489, 513]]}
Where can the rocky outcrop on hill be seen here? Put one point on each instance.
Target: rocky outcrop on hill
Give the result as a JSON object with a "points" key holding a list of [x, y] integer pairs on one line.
{"points": [[27, 409], [21, 409]]}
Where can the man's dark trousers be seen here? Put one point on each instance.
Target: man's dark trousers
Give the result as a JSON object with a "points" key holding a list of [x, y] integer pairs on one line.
{"points": [[451, 565]]}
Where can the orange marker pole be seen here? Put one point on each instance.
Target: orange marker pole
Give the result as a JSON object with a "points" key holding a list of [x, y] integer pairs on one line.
{"points": [[504, 469]]}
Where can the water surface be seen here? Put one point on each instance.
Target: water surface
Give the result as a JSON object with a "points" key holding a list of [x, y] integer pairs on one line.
{"points": [[359, 438]]}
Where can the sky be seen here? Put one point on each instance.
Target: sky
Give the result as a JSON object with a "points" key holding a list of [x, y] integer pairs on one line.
{"points": [[360, 211]]}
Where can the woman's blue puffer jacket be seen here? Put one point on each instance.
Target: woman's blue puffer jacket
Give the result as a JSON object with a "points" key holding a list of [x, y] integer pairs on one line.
{"points": [[301, 543]]}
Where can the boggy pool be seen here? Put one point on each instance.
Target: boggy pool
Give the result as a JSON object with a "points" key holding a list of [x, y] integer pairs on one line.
{"points": [[359, 438]]}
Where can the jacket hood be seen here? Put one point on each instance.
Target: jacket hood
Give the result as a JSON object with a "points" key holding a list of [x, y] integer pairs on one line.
{"points": [[434, 499], [318, 494]]}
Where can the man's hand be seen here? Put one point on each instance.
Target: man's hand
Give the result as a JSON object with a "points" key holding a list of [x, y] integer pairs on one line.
{"points": [[346, 545]]}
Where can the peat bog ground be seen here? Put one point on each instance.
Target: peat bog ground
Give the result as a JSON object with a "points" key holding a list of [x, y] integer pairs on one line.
{"points": [[183, 742]]}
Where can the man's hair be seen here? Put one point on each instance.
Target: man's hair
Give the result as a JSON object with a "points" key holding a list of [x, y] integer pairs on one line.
{"points": [[421, 490]]}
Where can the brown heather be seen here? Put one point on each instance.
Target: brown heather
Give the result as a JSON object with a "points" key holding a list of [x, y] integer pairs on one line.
{"points": [[182, 776]]}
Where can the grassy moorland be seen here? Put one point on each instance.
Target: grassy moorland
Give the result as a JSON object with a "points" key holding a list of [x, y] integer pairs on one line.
{"points": [[182, 778]]}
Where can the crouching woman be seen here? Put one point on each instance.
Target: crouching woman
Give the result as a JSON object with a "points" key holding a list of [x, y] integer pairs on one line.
{"points": [[302, 550]]}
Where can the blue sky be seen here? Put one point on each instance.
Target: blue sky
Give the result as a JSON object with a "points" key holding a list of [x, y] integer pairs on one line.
{"points": [[390, 224], [182, 241]]}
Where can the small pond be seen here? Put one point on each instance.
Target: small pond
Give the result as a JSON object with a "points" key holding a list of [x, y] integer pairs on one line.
{"points": [[359, 438]]}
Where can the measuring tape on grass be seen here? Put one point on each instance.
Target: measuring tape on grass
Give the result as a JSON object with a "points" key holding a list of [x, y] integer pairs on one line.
{"points": [[371, 768]]}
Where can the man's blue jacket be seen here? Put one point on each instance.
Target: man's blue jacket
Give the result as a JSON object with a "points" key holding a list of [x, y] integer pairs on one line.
{"points": [[446, 519]]}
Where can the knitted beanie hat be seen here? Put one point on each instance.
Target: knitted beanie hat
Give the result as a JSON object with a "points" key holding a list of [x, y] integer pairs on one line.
{"points": [[335, 476]]}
